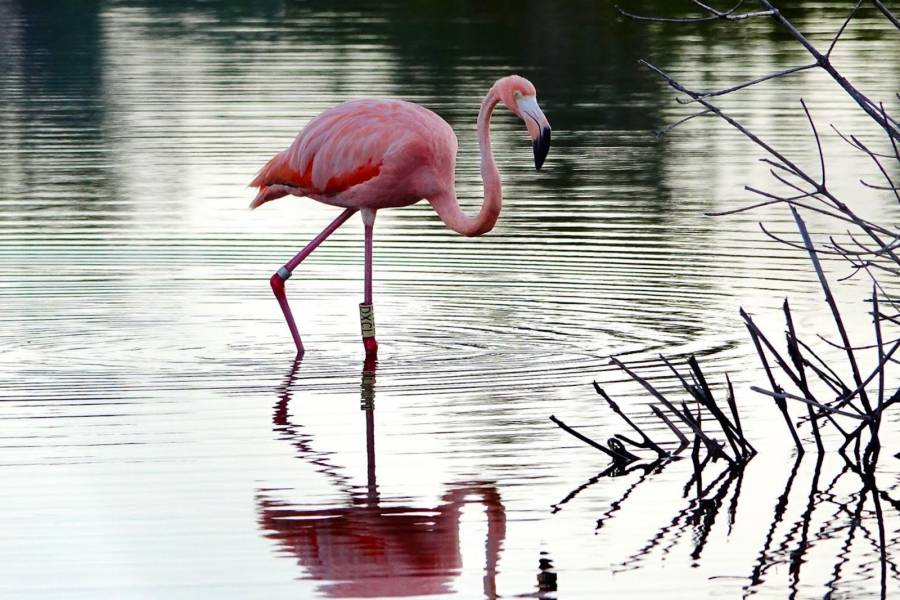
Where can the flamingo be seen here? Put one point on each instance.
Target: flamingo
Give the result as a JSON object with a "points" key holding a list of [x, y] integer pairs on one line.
{"points": [[372, 153]]}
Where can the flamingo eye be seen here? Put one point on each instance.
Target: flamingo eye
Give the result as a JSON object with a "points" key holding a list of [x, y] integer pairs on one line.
{"points": [[517, 94]]}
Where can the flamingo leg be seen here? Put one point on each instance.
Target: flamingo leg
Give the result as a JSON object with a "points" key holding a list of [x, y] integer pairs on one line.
{"points": [[366, 313], [277, 280]]}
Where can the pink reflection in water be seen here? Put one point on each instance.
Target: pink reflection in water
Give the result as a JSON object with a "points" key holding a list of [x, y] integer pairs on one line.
{"points": [[373, 546]]}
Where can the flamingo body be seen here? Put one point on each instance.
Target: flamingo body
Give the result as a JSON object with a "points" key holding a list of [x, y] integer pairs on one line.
{"points": [[369, 154]]}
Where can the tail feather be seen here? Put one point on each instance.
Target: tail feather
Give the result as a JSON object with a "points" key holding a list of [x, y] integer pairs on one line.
{"points": [[263, 175], [267, 193], [277, 176], [264, 181]]}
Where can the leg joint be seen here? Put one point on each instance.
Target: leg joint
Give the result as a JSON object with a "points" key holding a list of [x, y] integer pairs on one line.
{"points": [[283, 273]]}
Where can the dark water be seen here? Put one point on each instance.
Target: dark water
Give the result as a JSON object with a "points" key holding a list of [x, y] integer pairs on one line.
{"points": [[158, 439]]}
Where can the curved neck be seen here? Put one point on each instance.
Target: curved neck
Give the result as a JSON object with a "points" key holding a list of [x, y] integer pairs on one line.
{"points": [[447, 206]]}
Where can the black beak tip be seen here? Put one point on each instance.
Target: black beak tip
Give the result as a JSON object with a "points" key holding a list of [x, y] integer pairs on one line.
{"points": [[541, 147]]}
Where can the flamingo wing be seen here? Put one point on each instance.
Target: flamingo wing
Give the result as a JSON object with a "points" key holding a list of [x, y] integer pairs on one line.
{"points": [[341, 148]]}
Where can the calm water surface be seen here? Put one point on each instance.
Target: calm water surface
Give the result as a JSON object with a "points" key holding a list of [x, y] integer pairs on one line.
{"points": [[158, 439]]}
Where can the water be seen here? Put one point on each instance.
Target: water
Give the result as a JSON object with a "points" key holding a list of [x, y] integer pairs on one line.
{"points": [[158, 438]]}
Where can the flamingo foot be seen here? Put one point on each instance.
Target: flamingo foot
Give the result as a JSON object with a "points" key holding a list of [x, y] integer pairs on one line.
{"points": [[371, 347]]}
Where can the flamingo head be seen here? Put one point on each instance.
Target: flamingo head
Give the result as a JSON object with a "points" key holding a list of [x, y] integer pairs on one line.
{"points": [[519, 96]]}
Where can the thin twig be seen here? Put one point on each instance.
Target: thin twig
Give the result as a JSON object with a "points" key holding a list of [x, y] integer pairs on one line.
{"points": [[874, 443], [852, 143], [831, 377], [879, 370], [665, 130], [844, 26], [747, 84], [786, 395], [648, 443], [727, 426], [713, 16], [613, 454], [879, 165], [829, 298], [737, 417], [812, 125], [884, 10], [885, 188], [797, 358], [757, 336], [682, 439]]}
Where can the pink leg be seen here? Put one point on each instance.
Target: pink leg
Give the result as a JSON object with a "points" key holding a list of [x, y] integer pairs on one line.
{"points": [[366, 313], [277, 280]]}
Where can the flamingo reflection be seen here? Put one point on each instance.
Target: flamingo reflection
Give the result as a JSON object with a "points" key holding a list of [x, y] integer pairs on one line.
{"points": [[372, 546]]}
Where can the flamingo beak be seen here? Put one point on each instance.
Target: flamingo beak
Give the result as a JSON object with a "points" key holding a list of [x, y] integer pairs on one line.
{"points": [[538, 128], [541, 147]]}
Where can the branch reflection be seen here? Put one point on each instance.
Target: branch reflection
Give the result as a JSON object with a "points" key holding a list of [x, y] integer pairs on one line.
{"points": [[837, 519]]}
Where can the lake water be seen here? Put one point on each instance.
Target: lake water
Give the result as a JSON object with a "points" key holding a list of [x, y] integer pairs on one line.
{"points": [[158, 438]]}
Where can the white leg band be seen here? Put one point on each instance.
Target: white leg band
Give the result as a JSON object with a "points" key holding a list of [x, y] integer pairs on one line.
{"points": [[284, 273], [367, 320]]}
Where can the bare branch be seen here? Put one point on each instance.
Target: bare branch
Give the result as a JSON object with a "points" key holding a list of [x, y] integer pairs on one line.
{"points": [[875, 252], [890, 16]]}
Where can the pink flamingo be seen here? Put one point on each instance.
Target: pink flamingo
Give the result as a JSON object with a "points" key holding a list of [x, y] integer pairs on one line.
{"points": [[369, 154]]}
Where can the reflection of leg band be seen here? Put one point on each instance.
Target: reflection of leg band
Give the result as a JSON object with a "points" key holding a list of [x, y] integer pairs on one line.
{"points": [[367, 320], [367, 390]]}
